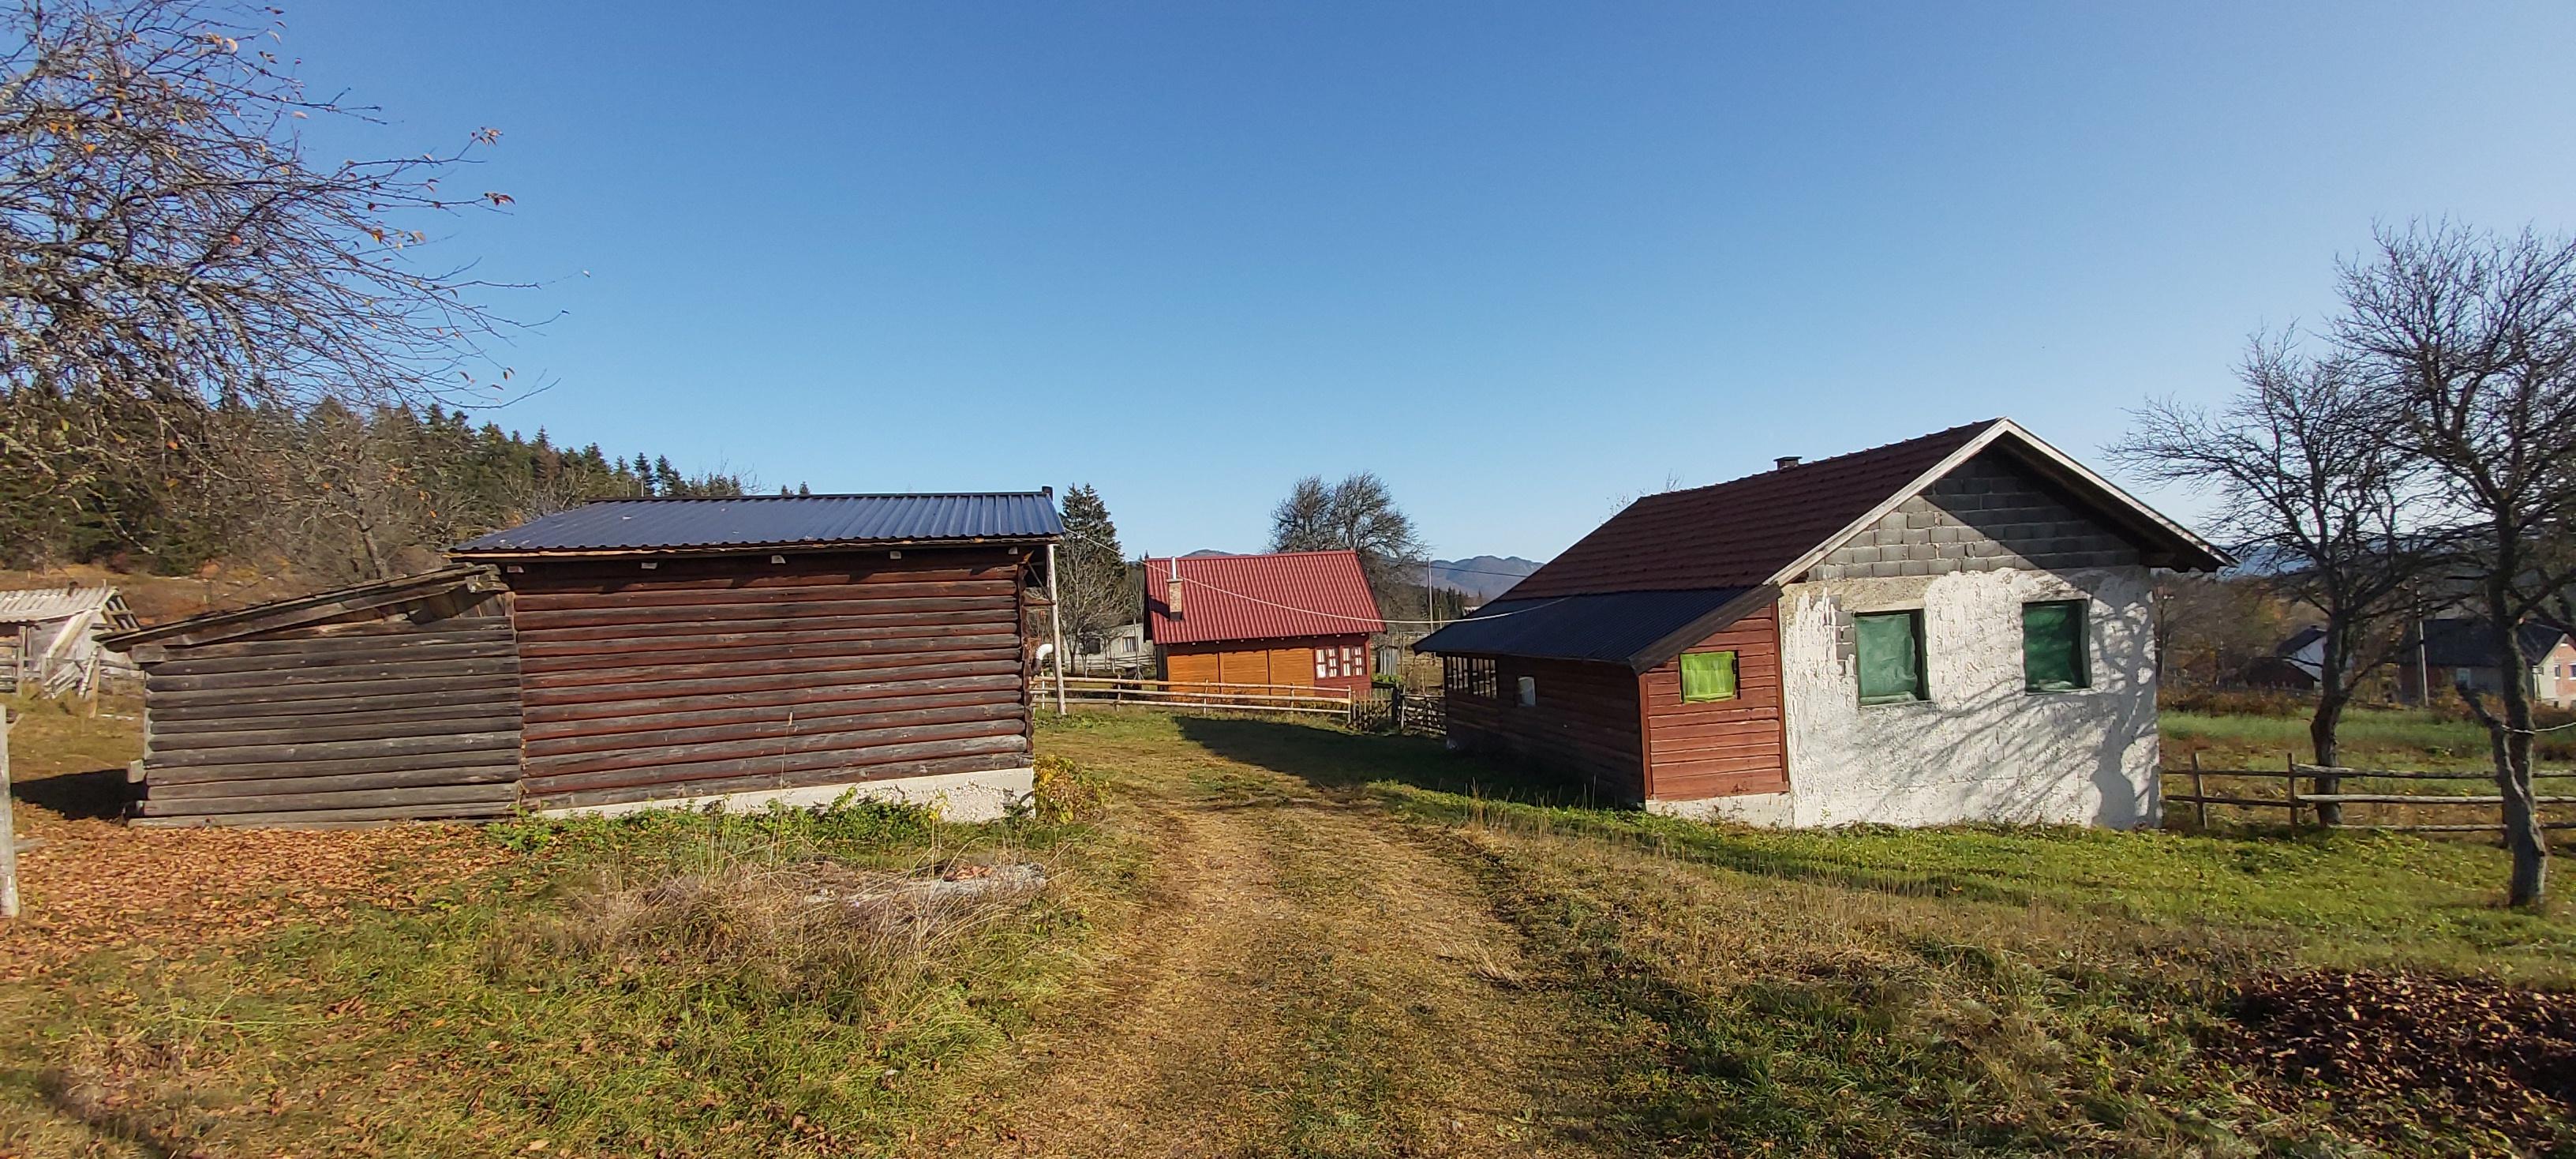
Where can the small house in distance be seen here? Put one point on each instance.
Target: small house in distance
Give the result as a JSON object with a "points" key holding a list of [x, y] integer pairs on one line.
{"points": [[2461, 653], [50, 638], [776, 648], [1958, 627], [1296, 619]]}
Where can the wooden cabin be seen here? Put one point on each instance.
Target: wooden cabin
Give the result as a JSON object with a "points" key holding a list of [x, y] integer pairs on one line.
{"points": [[1292, 619], [1958, 627], [49, 640], [776, 648], [378, 702]]}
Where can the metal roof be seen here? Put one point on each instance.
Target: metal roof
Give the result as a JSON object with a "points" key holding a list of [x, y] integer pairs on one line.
{"points": [[1610, 628], [37, 605], [1260, 597], [762, 521]]}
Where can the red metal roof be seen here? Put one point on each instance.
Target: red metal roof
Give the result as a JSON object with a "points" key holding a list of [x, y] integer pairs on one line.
{"points": [[1737, 534], [1260, 597]]}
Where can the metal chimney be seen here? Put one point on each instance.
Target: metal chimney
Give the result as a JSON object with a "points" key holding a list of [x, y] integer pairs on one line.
{"points": [[1784, 462]]}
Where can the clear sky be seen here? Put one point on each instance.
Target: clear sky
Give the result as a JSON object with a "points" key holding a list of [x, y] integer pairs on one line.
{"points": [[1518, 259]]}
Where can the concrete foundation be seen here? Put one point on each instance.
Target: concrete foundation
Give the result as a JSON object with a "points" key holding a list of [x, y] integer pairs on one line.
{"points": [[968, 797]]}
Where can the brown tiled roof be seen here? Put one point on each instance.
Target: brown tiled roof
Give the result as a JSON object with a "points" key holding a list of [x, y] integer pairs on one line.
{"points": [[1738, 534]]}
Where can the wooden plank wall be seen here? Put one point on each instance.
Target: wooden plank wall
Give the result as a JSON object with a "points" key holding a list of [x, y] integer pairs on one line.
{"points": [[1585, 722], [1285, 662], [737, 674], [410, 712], [1719, 748]]}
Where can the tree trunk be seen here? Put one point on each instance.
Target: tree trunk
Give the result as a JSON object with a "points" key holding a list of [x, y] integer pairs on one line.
{"points": [[2512, 737], [2321, 738]]}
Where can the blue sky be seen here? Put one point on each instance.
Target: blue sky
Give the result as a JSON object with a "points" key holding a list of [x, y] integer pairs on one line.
{"points": [[1518, 259]]}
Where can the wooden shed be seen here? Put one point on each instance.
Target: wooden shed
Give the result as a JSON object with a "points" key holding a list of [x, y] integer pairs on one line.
{"points": [[1957, 627], [371, 703], [1297, 619], [756, 649]]}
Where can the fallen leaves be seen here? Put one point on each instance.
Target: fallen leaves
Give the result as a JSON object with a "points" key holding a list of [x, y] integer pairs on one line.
{"points": [[2496, 1054]]}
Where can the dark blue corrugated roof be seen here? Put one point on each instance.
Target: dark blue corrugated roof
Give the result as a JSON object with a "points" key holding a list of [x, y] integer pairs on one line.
{"points": [[778, 521], [1612, 627]]}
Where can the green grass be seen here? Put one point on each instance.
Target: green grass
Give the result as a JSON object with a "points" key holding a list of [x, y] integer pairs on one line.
{"points": [[560, 1004]]}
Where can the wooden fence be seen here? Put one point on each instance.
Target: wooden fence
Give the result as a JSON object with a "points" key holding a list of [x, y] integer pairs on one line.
{"points": [[1375, 710], [2301, 805]]}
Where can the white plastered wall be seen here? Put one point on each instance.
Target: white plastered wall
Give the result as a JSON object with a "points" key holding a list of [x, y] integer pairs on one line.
{"points": [[1982, 748], [966, 797]]}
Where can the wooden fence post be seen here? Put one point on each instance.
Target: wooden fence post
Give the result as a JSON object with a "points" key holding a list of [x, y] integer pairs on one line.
{"points": [[8, 830], [2290, 779], [2200, 795]]}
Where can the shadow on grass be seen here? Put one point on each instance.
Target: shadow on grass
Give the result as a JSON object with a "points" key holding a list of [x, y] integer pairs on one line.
{"points": [[1455, 789], [98, 794]]}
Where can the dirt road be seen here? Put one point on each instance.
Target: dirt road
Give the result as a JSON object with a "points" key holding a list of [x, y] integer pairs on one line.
{"points": [[1309, 976]]}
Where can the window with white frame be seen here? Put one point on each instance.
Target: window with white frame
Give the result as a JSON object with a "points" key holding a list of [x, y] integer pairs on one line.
{"points": [[1341, 660]]}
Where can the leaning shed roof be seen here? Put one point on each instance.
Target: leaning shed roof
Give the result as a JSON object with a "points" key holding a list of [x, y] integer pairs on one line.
{"points": [[2470, 643], [1259, 597], [278, 615], [38, 605], [743, 523], [1732, 544]]}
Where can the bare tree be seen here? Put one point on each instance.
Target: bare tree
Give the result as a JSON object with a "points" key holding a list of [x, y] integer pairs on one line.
{"points": [[1360, 514], [1100, 590], [165, 242], [2469, 341], [2306, 485]]}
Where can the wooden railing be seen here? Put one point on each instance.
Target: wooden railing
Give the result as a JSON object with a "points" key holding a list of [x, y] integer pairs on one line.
{"points": [[1202, 694], [2299, 803]]}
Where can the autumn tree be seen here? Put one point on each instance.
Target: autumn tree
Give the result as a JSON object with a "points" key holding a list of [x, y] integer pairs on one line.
{"points": [[2304, 483], [2467, 341], [167, 242], [1358, 514]]}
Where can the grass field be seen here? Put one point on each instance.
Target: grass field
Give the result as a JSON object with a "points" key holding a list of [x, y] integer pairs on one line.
{"points": [[1260, 938]]}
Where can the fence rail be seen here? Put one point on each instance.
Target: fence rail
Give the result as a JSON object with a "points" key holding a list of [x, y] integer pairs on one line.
{"points": [[2297, 802], [1200, 694]]}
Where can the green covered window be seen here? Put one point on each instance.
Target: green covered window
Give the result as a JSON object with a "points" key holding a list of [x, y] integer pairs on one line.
{"points": [[2052, 647], [1890, 647], [1708, 676]]}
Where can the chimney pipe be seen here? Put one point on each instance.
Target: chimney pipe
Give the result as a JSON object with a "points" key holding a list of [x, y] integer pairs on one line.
{"points": [[1784, 462], [1172, 595]]}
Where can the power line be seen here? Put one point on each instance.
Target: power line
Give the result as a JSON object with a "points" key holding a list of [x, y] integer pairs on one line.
{"points": [[1175, 574]]}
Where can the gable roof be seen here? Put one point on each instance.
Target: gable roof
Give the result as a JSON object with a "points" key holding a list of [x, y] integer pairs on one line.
{"points": [[2467, 642], [753, 522], [1729, 543], [1769, 527], [1259, 597]]}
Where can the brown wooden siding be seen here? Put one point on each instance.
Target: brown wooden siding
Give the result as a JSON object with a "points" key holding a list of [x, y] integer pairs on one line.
{"points": [[1288, 662], [410, 715], [1585, 722], [737, 674], [1719, 748]]}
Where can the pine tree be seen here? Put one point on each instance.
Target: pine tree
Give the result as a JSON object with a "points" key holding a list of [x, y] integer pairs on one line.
{"points": [[1094, 580]]}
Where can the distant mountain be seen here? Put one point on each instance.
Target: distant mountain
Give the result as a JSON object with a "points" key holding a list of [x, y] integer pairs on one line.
{"points": [[1481, 577], [1205, 551]]}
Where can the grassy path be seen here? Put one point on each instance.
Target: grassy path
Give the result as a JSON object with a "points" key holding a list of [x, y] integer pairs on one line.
{"points": [[1308, 976]]}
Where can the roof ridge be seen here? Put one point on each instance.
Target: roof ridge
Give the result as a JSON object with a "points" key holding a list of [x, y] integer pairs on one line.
{"points": [[1830, 460], [1261, 554], [814, 495]]}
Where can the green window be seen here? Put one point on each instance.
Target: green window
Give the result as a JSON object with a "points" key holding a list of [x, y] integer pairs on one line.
{"points": [[2052, 647], [1890, 646], [1708, 676]]}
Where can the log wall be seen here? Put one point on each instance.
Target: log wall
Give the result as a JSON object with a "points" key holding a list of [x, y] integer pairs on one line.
{"points": [[736, 674], [1585, 721], [408, 711]]}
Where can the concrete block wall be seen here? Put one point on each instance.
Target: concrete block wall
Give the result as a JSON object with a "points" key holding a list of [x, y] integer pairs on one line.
{"points": [[1985, 516]]}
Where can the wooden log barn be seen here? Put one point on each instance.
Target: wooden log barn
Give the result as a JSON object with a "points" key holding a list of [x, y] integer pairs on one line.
{"points": [[367, 704], [620, 655], [1292, 619]]}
